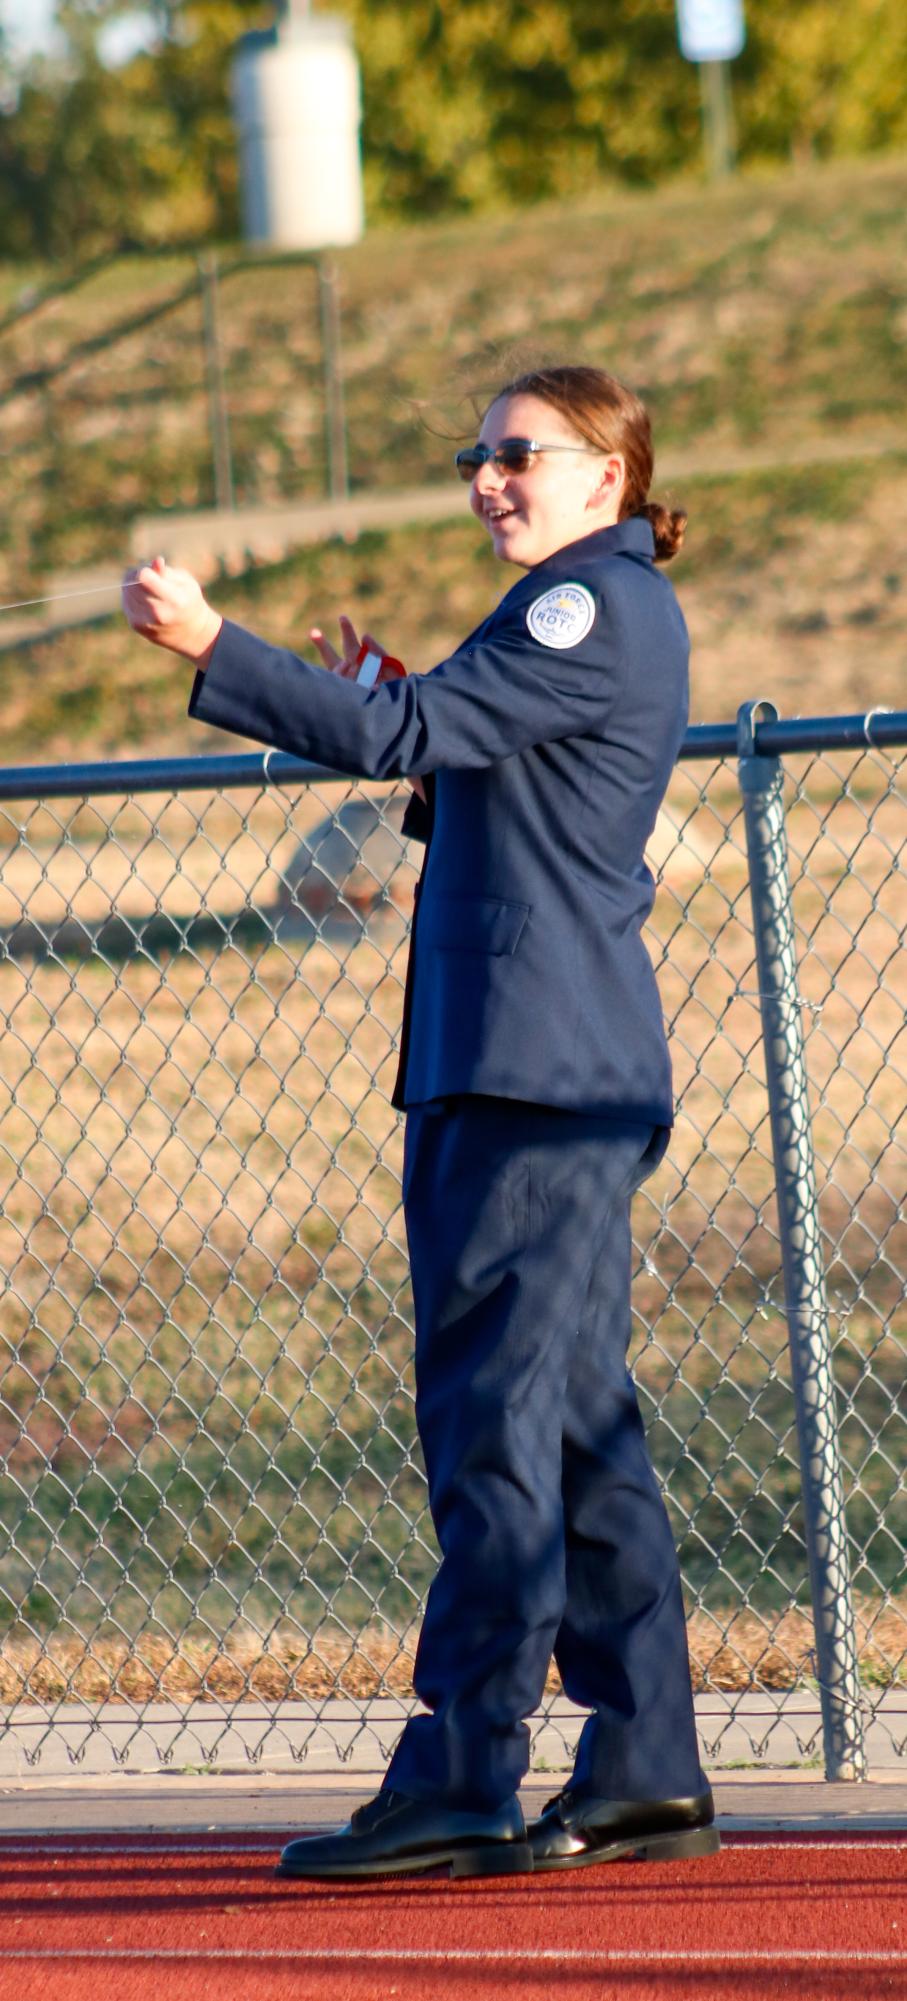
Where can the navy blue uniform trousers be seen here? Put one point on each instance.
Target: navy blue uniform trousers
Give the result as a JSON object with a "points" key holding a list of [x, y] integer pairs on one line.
{"points": [[553, 1534]]}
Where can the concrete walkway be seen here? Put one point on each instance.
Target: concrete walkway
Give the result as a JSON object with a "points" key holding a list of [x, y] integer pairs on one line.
{"points": [[206, 1767], [255, 1803]]}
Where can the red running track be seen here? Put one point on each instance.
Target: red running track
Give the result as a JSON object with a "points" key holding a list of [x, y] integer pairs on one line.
{"points": [[820, 1918]]}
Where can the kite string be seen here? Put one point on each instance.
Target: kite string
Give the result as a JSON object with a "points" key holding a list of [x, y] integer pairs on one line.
{"points": [[60, 597]]}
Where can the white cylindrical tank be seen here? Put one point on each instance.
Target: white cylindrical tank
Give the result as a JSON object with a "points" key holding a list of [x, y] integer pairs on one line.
{"points": [[297, 105]]}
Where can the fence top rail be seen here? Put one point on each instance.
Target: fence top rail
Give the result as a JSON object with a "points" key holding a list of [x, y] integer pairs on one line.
{"points": [[876, 729]]}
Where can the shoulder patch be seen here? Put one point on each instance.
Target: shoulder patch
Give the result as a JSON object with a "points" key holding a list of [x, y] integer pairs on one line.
{"points": [[563, 616]]}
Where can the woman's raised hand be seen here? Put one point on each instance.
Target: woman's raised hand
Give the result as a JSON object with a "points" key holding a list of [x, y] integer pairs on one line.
{"points": [[167, 606]]}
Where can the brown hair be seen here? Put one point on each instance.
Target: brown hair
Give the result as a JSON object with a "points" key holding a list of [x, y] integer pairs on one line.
{"points": [[609, 416]]}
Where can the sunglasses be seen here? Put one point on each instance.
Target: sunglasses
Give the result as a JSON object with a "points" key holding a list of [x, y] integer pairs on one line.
{"points": [[511, 455]]}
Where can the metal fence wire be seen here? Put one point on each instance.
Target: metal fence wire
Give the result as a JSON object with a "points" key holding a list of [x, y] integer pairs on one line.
{"points": [[215, 1542]]}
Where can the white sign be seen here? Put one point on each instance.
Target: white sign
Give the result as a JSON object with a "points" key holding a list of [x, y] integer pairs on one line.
{"points": [[710, 31]]}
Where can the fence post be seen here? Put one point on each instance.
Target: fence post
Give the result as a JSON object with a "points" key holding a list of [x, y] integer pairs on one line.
{"points": [[338, 483], [761, 782], [218, 418]]}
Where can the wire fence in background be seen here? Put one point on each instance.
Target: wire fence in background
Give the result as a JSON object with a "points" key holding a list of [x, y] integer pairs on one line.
{"points": [[96, 384], [213, 1521]]}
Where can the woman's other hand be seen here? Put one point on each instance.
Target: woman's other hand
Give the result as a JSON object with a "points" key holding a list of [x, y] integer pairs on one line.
{"points": [[347, 663], [167, 606]]}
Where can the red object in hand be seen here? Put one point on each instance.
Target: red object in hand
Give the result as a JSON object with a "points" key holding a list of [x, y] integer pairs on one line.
{"points": [[374, 665]]}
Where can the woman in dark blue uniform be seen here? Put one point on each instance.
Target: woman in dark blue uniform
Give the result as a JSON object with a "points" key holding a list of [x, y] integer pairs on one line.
{"points": [[535, 1076]]}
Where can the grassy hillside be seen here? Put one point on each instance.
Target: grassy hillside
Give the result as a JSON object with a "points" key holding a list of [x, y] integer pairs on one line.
{"points": [[794, 586], [766, 318], [769, 313]]}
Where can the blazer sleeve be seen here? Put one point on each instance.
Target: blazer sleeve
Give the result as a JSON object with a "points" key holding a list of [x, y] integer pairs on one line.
{"points": [[491, 699]]}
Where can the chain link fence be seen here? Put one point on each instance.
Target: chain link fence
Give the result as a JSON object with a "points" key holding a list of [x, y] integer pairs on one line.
{"points": [[214, 1532]]}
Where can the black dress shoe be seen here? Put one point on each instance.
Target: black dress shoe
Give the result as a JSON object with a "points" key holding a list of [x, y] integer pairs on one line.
{"points": [[577, 1828], [396, 1835]]}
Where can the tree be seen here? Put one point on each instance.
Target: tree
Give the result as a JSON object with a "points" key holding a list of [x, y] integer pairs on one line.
{"points": [[818, 80], [144, 154], [480, 105], [486, 106]]}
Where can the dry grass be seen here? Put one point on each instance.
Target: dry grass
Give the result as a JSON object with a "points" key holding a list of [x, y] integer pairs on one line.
{"points": [[735, 1652], [157, 1669], [780, 1653]]}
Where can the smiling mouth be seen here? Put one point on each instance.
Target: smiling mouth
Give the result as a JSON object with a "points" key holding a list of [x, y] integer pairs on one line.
{"points": [[499, 513]]}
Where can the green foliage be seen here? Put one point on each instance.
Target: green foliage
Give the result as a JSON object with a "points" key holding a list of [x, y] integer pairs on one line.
{"points": [[479, 107], [143, 154], [504, 105], [817, 80]]}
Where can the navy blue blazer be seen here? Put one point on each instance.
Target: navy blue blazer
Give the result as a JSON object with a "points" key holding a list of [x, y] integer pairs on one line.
{"points": [[548, 739]]}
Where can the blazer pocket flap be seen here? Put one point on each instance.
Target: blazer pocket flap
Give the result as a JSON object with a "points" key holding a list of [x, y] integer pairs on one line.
{"points": [[474, 924]]}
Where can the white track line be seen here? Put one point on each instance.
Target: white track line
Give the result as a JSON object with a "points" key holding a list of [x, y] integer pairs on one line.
{"points": [[373, 1955], [217, 1852]]}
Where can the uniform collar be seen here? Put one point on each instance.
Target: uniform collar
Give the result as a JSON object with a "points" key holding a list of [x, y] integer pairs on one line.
{"points": [[632, 537]]}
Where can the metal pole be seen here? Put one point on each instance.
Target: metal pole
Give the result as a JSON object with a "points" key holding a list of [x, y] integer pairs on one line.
{"points": [[338, 484], [717, 118], [218, 416], [761, 782]]}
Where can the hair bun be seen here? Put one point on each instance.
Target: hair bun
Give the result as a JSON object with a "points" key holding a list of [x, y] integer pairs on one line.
{"points": [[668, 526]]}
